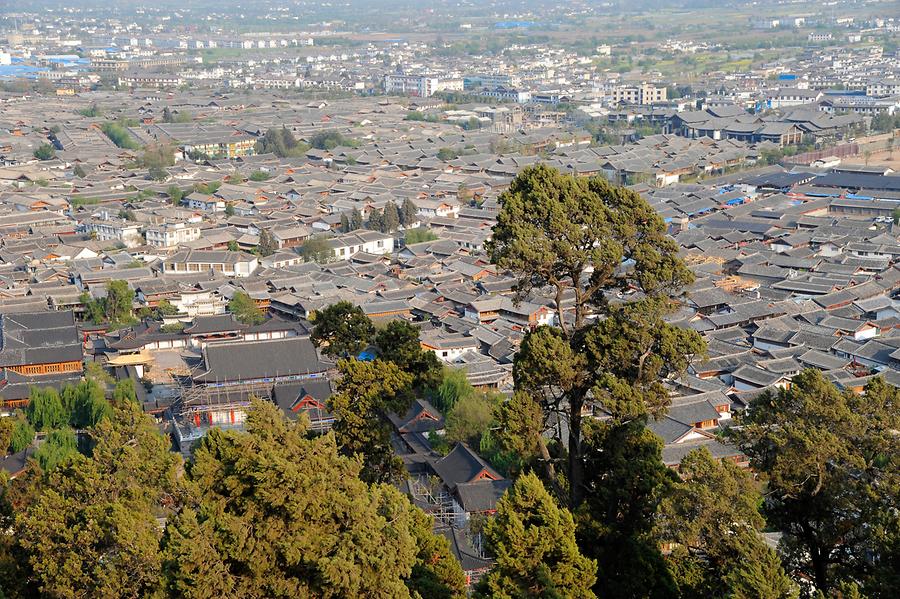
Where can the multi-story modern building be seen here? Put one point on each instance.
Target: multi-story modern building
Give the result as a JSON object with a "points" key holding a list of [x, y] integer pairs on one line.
{"points": [[115, 230], [422, 86], [171, 234], [644, 93], [883, 87]]}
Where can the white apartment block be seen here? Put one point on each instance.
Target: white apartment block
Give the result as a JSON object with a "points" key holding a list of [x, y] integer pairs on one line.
{"points": [[171, 234], [421, 86], [115, 230], [883, 87], [645, 93]]}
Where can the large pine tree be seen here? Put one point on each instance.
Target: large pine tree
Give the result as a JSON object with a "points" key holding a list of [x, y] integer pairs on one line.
{"points": [[274, 513], [533, 541], [831, 460]]}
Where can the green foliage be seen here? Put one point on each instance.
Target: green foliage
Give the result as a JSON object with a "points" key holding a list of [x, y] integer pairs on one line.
{"points": [[94, 371], [259, 522], [520, 427], [398, 342], [124, 391], [45, 152], [208, 188], [7, 427], [376, 220], [260, 176], [92, 530], [245, 309], [57, 448], [266, 246], [116, 308], [233, 246], [436, 573], [572, 235], [45, 410], [635, 349], [342, 330], [90, 406], [165, 308], [79, 171], [419, 116], [470, 418], [391, 217], [92, 111], [175, 194], [329, 140], [119, 135], [884, 122], [534, 544], [711, 516], [419, 236], [366, 393], [624, 482], [447, 154], [408, 213], [156, 158], [282, 143], [454, 386], [356, 219], [832, 466], [316, 249], [471, 124], [182, 116], [385, 221], [22, 436]]}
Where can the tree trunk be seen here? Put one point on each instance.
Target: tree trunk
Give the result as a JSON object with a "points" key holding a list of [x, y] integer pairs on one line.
{"points": [[576, 471], [819, 568], [549, 467]]}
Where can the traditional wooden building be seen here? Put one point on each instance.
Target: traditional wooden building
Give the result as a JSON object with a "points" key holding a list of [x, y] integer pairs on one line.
{"points": [[38, 349]]}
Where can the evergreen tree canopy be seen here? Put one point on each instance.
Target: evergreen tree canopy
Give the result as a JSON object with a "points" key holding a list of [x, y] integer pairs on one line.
{"points": [[342, 330], [377, 220], [274, 513], [391, 217], [625, 480], [281, 142], [7, 427], [398, 342], [533, 541], [582, 238], [266, 246], [831, 461], [712, 518], [356, 220], [408, 213], [92, 529], [245, 309], [45, 152], [366, 393]]}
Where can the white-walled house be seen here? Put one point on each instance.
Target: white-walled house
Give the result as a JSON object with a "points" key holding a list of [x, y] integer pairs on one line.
{"points": [[361, 240], [171, 234], [449, 348], [118, 230], [232, 264]]}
